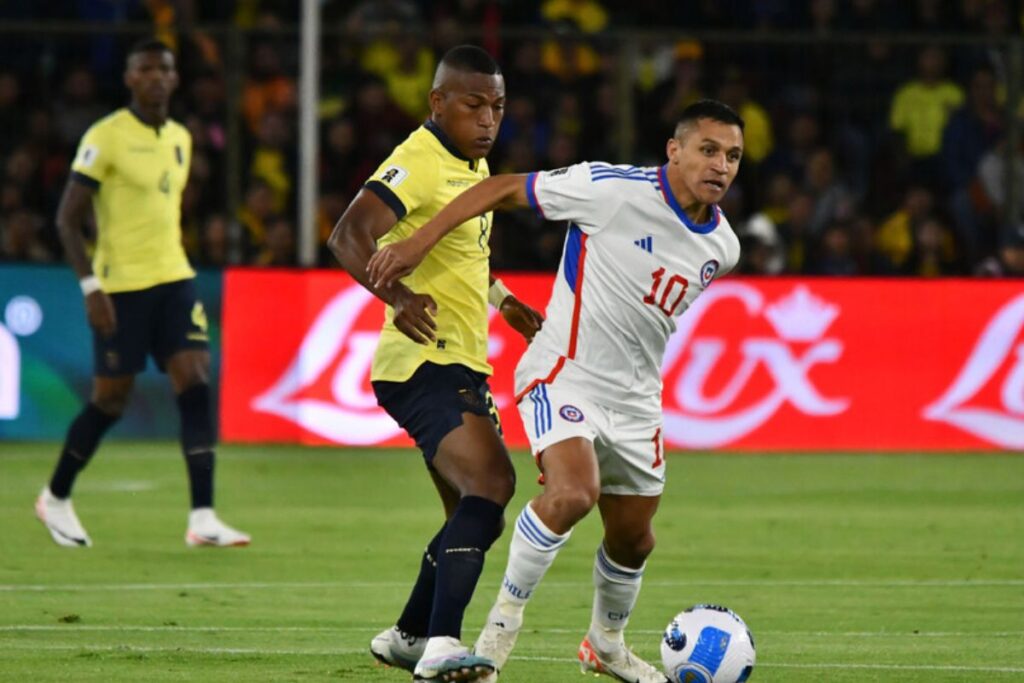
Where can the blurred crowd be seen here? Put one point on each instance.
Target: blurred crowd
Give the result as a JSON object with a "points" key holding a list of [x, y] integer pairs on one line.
{"points": [[864, 155]]}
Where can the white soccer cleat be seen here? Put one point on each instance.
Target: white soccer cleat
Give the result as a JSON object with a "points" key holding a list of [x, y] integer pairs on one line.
{"points": [[621, 664], [394, 647], [206, 529], [447, 659], [60, 520], [498, 638]]}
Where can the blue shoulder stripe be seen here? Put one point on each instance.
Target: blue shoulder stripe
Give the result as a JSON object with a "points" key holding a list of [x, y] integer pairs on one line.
{"points": [[600, 165], [620, 177]]}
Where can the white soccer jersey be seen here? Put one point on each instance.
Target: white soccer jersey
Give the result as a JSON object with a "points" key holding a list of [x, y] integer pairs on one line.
{"points": [[633, 261]]}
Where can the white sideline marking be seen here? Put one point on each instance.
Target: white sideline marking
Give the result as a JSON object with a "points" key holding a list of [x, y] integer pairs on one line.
{"points": [[13, 587], [809, 583], [898, 667], [829, 583], [119, 486], [843, 665], [353, 651], [174, 648], [68, 628], [71, 628]]}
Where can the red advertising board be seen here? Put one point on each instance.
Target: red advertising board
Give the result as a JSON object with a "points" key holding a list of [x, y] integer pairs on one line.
{"points": [[756, 364]]}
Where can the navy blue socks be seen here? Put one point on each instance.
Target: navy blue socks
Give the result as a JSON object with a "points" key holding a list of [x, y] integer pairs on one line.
{"points": [[470, 533], [81, 442], [197, 442], [415, 619]]}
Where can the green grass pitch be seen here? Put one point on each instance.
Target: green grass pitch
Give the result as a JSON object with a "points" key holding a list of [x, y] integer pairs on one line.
{"points": [[846, 567]]}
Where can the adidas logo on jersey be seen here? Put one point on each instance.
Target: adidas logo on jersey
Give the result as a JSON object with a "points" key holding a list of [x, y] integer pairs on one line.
{"points": [[645, 243]]}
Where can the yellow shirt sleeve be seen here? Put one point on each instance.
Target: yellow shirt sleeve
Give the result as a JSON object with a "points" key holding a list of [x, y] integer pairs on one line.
{"points": [[95, 155], [410, 176]]}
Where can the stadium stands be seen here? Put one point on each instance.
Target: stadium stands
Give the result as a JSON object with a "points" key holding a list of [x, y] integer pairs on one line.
{"points": [[877, 142]]}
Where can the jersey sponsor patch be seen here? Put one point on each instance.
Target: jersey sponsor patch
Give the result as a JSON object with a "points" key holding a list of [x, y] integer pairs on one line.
{"points": [[707, 272], [87, 157], [571, 413], [559, 174], [393, 176]]}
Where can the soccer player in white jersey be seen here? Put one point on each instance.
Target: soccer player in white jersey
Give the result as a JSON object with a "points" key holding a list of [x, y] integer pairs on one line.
{"points": [[643, 243]]}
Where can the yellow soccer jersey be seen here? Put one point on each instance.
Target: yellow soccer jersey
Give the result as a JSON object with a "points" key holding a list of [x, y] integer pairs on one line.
{"points": [[139, 174], [421, 177]]}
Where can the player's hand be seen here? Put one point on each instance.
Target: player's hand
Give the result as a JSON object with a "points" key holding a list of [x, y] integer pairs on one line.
{"points": [[414, 315], [394, 261], [100, 310], [523, 319]]}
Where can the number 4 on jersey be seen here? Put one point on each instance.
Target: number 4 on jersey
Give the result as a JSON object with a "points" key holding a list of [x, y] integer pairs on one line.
{"points": [[666, 292]]}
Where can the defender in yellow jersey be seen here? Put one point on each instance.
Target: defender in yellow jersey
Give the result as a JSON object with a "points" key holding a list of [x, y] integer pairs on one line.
{"points": [[132, 166], [430, 371], [420, 177]]}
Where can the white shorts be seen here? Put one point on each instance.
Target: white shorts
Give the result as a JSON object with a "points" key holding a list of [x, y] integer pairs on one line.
{"points": [[630, 449]]}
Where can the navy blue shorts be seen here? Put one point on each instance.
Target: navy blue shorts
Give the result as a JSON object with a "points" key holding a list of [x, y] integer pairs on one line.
{"points": [[158, 322], [430, 404]]}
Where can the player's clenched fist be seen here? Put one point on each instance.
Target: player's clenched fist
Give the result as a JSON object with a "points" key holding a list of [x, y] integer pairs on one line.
{"points": [[523, 319], [414, 315]]}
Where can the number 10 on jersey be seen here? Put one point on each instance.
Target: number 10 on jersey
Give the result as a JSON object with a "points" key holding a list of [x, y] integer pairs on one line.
{"points": [[674, 289]]}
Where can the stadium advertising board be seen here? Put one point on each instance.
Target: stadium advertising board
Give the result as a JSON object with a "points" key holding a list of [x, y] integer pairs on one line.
{"points": [[46, 360], [756, 364]]}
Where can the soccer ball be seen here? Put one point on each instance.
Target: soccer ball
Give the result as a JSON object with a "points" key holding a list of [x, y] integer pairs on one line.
{"points": [[707, 644]]}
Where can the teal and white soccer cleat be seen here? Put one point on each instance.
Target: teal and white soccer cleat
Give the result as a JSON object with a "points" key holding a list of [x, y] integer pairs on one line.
{"points": [[206, 529], [60, 520], [394, 647], [446, 659], [620, 664], [498, 637]]}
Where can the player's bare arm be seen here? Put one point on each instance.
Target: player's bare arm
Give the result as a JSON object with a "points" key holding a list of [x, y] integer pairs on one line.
{"points": [[354, 241], [74, 208], [507, 191]]}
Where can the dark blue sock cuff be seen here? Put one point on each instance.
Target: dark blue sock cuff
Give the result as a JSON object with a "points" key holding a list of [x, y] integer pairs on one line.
{"points": [[99, 422], [86, 431], [480, 507], [487, 515]]}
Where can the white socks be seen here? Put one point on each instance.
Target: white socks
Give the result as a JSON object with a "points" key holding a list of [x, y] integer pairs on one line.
{"points": [[616, 589], [533, 549]]}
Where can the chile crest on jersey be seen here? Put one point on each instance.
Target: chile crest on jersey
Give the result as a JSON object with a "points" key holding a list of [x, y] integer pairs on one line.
{"points": [[708, 271]]}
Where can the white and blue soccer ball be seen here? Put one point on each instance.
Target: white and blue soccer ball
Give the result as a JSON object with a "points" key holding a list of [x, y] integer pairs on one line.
{"points": [[707, 644]]}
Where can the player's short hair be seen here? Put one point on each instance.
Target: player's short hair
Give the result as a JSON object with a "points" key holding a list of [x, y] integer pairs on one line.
{"points": [[471, 59], [708, 109], [149, 45]]}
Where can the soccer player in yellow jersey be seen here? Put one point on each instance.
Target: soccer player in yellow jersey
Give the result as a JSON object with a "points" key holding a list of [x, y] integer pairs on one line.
{"points": [[430, 370], [132, 167]]}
